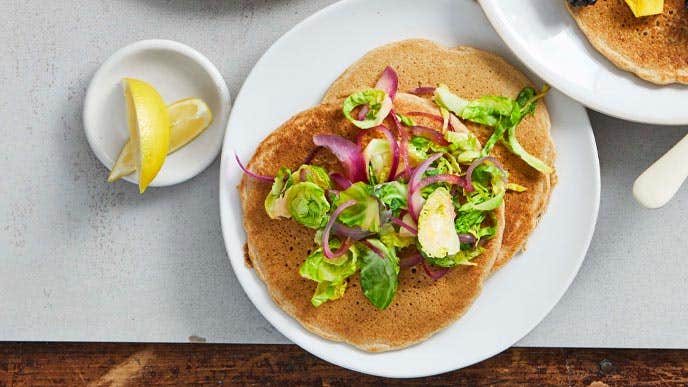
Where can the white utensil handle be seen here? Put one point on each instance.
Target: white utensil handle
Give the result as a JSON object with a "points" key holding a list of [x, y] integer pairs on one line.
{"points": [[659, 183]]}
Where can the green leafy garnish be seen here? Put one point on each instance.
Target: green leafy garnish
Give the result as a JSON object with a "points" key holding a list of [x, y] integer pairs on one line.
{"points": [[449, 101], [516, 148], [489, 189], [515, 187], [376, 100], [390, 237], [467, 221], [313, 174], [502, 114], [327, 291], [378, 158], [471, 222], [365, 214], [379, 274], [406, 120], [308, 205], [463, 257], [331, 275], [377, 220], [526, 100], [394, 195], [418, 149], [489, 110], [275, 202]]}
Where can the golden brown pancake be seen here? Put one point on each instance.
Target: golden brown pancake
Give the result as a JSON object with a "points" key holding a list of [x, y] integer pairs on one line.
{"points": [[277, 248], [654, 48], [471, 73]]}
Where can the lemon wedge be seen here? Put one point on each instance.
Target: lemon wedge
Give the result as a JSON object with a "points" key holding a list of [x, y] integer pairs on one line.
{"points": [[646, 7], [189, 117], [149, 129]]}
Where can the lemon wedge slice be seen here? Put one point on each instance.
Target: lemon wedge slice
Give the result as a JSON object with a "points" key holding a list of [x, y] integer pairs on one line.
{"points": [[149, 129], [189, 117], [646, 7]]}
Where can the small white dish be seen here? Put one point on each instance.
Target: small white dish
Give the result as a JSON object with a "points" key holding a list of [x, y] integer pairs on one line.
{"points": [[545, 37], [295, 72], [177, 71]]}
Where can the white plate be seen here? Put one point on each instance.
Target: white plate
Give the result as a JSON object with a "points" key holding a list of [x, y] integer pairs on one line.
{"points": [[177, 71], [293, 75], [546, 38]]}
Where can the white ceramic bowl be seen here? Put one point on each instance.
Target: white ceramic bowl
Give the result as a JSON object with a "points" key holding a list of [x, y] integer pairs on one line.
{"points": [[543, 35], [177, 71]]}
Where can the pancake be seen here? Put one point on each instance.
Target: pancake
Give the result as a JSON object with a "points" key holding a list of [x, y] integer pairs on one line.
{"points": [[471, 73], [277, 248], [654, 48]]}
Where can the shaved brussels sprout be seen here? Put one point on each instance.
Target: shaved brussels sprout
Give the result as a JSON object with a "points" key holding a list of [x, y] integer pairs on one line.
{"points": [[436, 231], [275, 202], [365, 214], [308, 205], [378, 158], [313, 174]]}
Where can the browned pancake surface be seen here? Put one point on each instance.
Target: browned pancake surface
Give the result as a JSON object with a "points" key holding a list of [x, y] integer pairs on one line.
{"points": [[655, 47], [471, 73], [277, 248]]}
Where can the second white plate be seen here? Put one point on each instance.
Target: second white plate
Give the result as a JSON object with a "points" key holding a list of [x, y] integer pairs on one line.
{"points": [[546, 38], [293, 75]]}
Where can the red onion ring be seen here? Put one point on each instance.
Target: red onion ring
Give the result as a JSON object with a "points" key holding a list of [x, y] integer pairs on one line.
{"points": [[410, 260], [374, 249], [348, 153], [405, 172], [467, 238], [403, 150], [326, 233], [433, 117], [340, 180], [388, 82], [414, 198], [444, 178], [429, 133], [394, 148], [469, 172], [354, 233], [363, 112], [437, 274], [422, 90], [415, 202], [417, 174], [254, 175], [405, 225]]}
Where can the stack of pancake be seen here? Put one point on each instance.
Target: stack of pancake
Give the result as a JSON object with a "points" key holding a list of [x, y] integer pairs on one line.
{"points": [[422, 306]]}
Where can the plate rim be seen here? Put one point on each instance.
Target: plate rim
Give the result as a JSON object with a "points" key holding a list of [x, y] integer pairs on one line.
{"points": [[496, 17], [227, 157]]}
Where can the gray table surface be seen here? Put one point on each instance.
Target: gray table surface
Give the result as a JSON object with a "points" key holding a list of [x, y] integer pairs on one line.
{"points": [[81, 259]]}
